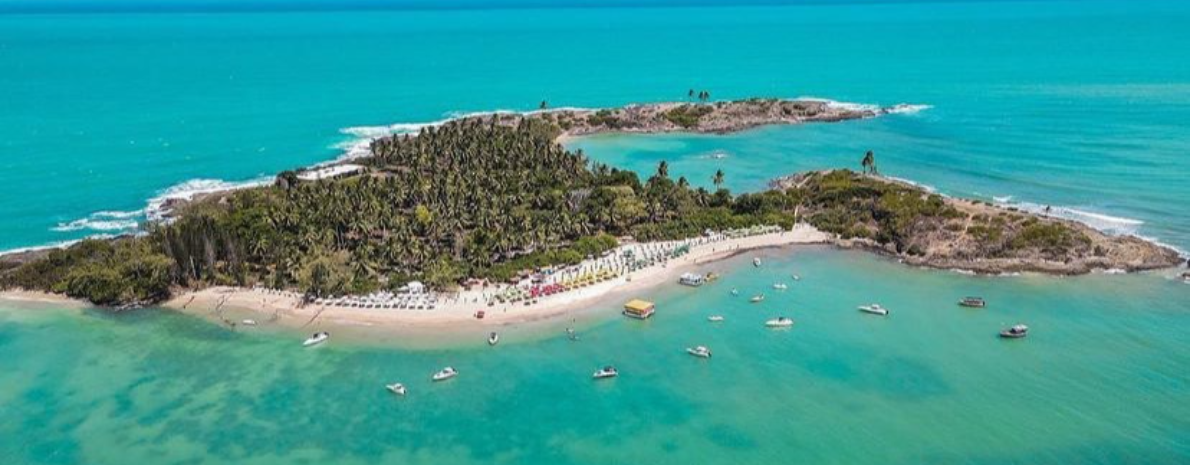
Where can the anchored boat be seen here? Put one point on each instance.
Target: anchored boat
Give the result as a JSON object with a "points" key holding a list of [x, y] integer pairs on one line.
{"points": [[715, 318], [974, 302], [396, 388], [779, 322], [874, 309], [757, 298], [493, 338], [691, 279], [1015, 332], [316, 338], [699, 351], [606, 372], [445, 374]]}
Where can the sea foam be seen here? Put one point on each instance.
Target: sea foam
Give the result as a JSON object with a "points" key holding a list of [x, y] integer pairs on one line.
{"points": [[128, 222], [898, 109], [1105, 223]]}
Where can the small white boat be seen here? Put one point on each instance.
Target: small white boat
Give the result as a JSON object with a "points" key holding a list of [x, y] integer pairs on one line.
{"points": [[756, 262], [445, 374], [757, 298], [699, 351], [874, 309], [606, 372], [248, 322], [396, 388], [780, 286], [779, 322], [715, 318], [691, 279], [316, 338], [735, 292], [493, 339], [795, 277]]}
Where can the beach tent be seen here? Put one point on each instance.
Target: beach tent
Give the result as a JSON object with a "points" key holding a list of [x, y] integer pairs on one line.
{"points": [[416, 287]]}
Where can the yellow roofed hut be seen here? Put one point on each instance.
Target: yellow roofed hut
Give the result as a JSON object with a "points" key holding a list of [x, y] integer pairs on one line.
{"points": [[640, 309]]}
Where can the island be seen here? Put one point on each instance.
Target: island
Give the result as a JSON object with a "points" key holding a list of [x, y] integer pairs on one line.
{"points": [[489, 219]]}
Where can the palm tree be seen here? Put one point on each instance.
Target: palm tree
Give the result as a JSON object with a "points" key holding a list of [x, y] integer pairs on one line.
{"points": [[869, 162], [690, 94], [544, 104], [718, 179], [663, 169]]}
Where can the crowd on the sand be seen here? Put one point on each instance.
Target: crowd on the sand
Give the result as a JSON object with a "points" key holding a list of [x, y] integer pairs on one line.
{"points": [[532, 285]]}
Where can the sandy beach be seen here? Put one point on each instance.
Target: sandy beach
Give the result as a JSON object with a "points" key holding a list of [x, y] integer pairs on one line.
{"points": [[455, 312], [39, 297]]}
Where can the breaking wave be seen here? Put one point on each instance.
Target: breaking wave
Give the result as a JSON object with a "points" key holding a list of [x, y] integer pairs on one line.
{"points": [[898, 109], [126, 222], [1106, 223], [925, 187]]}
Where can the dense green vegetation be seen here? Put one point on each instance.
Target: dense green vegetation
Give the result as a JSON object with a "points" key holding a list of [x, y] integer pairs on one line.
{"points": [[103, 272], [908, 219], [489, 198], [856, 206], [687, 116], [472, 198]]}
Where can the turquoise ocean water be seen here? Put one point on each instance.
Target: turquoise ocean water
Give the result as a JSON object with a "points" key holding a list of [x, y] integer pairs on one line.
{"points": [[1084, 106]]}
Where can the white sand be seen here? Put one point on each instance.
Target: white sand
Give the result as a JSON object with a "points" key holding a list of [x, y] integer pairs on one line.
{"points": [[457, 311]]}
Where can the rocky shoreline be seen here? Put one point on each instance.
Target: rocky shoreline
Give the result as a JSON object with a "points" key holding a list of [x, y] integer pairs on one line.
{"points": [[974, 236], [699, 117]]}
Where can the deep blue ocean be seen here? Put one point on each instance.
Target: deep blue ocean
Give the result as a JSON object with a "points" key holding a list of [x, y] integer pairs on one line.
{"points": [[108, 108]]}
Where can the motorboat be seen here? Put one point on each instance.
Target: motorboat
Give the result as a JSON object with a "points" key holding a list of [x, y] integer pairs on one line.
{"points": [[248, 322], [699, 351], [715, 318], [779, 322], [396, 388], [571, 334], [606, 372], [874, 309], [757, 298], [1015, 332], [445, 374], [795, 277], [691, 279], [316, 338], [780, 286], [974, 302], [756, 261], [735, 292], [493, 339]]}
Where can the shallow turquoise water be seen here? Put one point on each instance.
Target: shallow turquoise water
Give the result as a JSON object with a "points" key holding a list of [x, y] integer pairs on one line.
{"points": [[1102, 379], [1083, 106]]}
